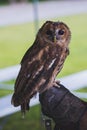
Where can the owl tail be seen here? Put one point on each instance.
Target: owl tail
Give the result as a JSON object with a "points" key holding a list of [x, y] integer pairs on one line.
{"points": [[24, 107], [19, 101]]}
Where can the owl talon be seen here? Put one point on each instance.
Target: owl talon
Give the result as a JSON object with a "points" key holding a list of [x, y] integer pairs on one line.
{"points": [[57, 81], [55, 84]]}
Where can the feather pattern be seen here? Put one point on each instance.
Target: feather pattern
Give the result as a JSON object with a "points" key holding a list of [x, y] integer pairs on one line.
{"points": [[41, 63]]}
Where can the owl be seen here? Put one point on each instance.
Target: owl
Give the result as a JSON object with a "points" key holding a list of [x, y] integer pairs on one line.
{"points": [[42, 62]]}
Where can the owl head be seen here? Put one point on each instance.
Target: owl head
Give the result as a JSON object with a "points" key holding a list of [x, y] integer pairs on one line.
{"points": [[55, 33]]}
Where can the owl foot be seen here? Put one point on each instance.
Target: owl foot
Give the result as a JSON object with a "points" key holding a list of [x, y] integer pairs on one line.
{"points": [[55, 83]]}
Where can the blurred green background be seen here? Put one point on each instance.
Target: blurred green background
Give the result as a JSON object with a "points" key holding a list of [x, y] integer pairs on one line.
{"points": [[16, 39]]}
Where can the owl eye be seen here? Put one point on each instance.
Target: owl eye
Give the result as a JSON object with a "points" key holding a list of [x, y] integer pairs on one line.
{"points": [[61, 32], [49, 32]]}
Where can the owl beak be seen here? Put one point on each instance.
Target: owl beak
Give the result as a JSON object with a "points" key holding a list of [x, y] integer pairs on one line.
{"points": [[56, 36], [55, 39]]}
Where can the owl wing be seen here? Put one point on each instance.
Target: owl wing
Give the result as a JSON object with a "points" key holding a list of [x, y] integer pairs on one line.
{"points": [[37, 69], [28, 80], [31, 52]]}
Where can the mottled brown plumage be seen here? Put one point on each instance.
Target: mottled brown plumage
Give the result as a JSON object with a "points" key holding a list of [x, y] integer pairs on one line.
{"points": [[42, 62]]}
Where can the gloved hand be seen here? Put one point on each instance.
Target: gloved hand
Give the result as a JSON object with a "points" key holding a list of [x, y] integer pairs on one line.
{"points": [[63, 107]]}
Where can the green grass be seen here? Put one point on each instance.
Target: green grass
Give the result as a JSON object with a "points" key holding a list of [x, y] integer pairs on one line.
{"points": [[5, 2], [4, 92], [31, 121], [82, 90], [14, 41]]}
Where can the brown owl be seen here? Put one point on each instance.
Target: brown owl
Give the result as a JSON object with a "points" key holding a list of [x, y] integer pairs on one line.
{"points": [[42, 62]]}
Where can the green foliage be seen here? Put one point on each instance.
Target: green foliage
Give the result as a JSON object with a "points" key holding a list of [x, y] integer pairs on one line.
{"points": [[3, 2]]}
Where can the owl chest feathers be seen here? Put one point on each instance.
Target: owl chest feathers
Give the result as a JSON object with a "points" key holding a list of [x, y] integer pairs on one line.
{"points": [[48, 64], [55, 57]]}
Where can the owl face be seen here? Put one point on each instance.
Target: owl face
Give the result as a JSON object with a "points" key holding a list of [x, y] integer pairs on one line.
{"points": [[55, 33]]}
